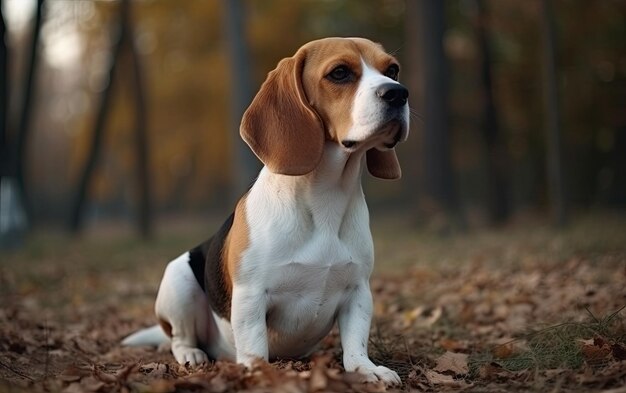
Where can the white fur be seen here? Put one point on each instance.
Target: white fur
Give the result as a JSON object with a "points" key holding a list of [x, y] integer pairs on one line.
{"points": [[307, 264], [153, 335], [368, 111]]}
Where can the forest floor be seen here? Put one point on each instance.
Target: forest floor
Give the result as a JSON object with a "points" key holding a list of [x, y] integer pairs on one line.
{"points": [[520, 308]]}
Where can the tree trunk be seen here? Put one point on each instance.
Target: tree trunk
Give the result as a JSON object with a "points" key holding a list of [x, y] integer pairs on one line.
{"points": [[141, 126], [246, 165], [553, 119], [28, 102], [497, 155], [412, 76], [96, 142], [4, 99], [439, 178]]}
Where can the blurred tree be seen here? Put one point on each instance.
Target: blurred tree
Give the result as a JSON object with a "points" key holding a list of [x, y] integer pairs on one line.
{"points": [[144, 202], [413, 77], [4, 99], [76, 218], [497, 155], [124, 38], [246, 165], [26, 114], [553, 116], [182, 47], [439, 177]]}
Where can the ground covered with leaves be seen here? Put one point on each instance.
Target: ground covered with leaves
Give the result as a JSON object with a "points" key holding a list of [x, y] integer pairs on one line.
{"points": [[521, 308]]}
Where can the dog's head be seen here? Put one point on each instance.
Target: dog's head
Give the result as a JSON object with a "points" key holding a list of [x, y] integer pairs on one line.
{"points": [[344, 90]]}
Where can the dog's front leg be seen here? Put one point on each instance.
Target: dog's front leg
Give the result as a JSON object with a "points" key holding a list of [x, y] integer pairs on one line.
{"points": [[354, 325], [248, 312]]}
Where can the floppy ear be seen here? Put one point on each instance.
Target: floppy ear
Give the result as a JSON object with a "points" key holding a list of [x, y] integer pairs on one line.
{"points": [[280, 126], [383, 164]]}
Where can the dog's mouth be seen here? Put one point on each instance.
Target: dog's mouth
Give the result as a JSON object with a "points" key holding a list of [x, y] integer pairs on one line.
{"points": [[397, 137], [386, 136]]}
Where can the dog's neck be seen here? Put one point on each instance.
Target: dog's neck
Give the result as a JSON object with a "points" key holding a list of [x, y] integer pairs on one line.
{"points": [[338, 169], [329, 192]]}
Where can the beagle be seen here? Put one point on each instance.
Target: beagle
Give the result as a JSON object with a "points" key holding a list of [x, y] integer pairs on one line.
{"points": [[296, 254]]}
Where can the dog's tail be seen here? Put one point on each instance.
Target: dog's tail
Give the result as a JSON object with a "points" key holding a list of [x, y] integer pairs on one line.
{"points": [[153, 336]]}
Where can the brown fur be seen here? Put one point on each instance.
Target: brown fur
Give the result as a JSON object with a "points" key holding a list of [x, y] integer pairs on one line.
{"points": [[280, 126], [383, 164], [167, 328], [236, 243]]}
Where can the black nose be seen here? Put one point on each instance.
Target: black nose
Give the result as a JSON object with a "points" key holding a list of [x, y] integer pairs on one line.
{"points": [[393, 93]]}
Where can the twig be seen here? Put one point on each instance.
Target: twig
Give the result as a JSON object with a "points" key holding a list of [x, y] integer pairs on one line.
{"points": [[16, 372]]}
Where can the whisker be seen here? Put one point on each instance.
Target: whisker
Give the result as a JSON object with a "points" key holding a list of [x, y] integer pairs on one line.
{"points": [[395, 52], [416, 115]]}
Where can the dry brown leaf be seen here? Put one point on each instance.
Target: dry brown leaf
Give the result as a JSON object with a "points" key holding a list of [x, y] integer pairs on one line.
{"points": [[75, 387], [490, 371], [103, 376], [504, 351], [318, 380], [421, 317], [438, 379], [435, 378], [162, 386], [595, 349], [73, 373], [450, 345], [218, 384], [91, 384], [156, 370], [452, 362], [192, 383]]}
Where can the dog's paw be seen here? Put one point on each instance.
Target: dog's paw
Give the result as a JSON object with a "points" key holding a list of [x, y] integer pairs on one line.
{"points": [[380, 373], [192, 356]]}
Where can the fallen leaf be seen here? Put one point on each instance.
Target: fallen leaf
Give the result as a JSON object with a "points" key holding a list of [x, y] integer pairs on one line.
{"points": [[503, 351], [595, 350], [218, 384], [72, 374], [453, 362], [318, 380], [490, 371], [421, 316], [162, 386], [91, 384], [75, 387], [435, 378], [450, 345], [156, 370]]}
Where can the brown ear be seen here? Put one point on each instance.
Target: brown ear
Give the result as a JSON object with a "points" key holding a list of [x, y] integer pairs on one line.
{"points": [[280, 126], [383, 164]]}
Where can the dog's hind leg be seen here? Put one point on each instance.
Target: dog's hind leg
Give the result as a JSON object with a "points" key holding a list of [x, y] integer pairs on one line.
{"points": [[184, 313]]}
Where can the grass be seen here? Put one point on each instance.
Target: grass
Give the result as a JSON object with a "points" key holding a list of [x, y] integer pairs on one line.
{"points": [[558, 346]]}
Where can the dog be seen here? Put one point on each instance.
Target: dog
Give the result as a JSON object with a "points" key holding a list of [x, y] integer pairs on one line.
{"points": [[296, 254]]}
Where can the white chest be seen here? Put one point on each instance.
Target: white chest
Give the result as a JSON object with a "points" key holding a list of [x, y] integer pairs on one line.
{"points": [[308, 251]]}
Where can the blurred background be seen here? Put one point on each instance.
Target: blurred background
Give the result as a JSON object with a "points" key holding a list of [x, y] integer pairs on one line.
{"points": [[128, 111]]}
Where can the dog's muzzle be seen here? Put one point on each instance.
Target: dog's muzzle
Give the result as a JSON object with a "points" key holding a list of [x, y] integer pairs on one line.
{"points": [[394, 94]]}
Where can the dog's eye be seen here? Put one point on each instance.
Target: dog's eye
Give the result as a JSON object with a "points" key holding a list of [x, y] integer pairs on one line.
{"points": [[392, 72], [340, 74]]}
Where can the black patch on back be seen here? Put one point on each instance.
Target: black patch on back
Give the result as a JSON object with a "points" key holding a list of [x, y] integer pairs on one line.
{"points": [[214, 275], [197, 260], [208, 268]]}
